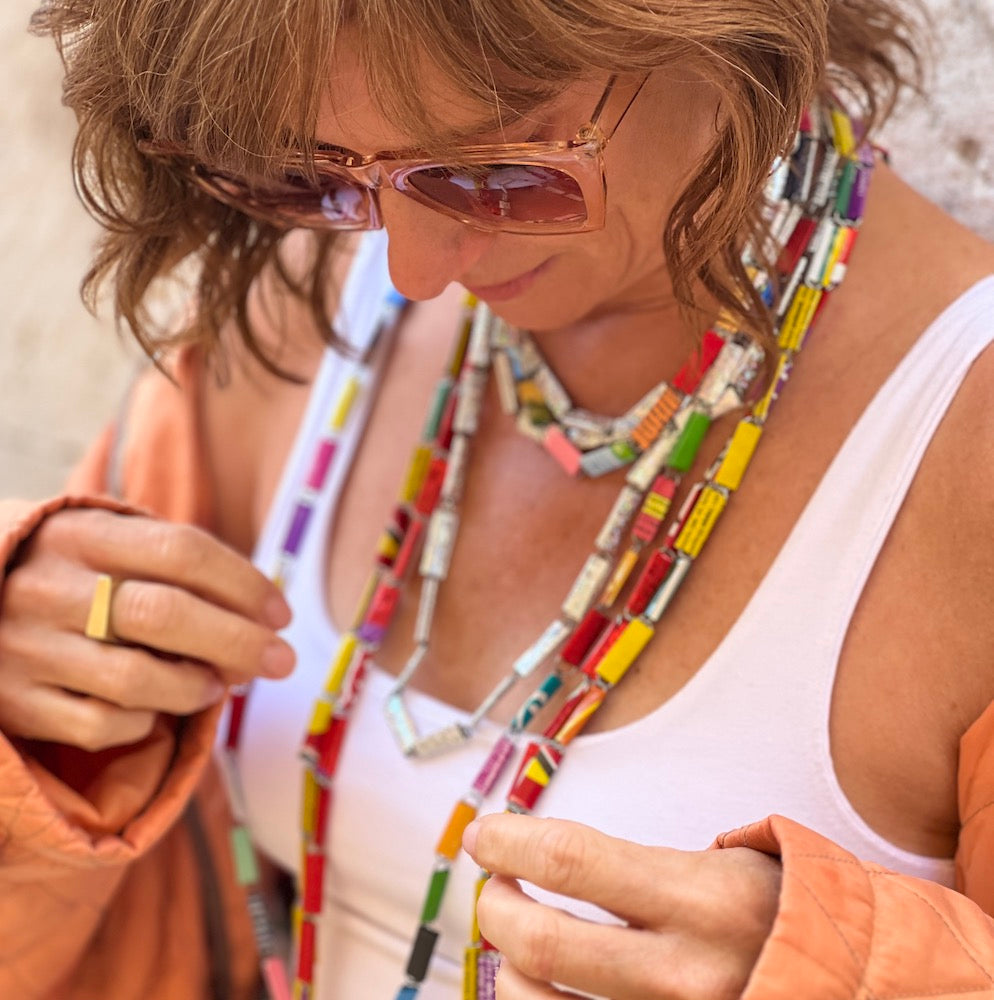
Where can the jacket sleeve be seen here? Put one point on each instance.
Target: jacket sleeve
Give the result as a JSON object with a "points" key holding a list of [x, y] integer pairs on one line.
{"points": [[850, 929], [71, 822]]}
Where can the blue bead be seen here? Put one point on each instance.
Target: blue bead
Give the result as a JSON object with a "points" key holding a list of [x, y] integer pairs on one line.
{"points": [[407, 993]]}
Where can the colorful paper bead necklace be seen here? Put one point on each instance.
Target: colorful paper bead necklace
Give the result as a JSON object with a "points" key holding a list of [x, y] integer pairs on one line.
{"points": [[814, 199]]}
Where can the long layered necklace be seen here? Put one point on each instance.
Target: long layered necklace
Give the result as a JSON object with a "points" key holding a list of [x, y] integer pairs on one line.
{"points": [[814, 203]]}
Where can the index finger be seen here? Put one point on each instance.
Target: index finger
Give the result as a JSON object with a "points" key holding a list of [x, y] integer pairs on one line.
{"points": [[142, 548], [578, 861]]}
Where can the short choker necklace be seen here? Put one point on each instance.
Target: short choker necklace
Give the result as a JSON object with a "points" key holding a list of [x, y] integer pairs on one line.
{"points": [[814, 199]]}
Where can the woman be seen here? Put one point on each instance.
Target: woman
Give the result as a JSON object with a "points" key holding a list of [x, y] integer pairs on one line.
{"points": [[804, 669]]}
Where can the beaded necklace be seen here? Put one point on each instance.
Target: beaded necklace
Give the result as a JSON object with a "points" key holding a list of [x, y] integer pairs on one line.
{"points": [[814, 202]]}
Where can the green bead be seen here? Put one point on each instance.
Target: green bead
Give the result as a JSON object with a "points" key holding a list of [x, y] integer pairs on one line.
{"points": [[685, 450], [433, 899], [624, 451], [437, 408], [844, 193], [246, 870]]}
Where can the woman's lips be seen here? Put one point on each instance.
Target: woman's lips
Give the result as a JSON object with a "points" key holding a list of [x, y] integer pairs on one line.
{"points": [[508, 289]]}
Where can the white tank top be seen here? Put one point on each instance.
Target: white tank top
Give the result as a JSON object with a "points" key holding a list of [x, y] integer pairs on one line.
{"points": [[746, 737]]}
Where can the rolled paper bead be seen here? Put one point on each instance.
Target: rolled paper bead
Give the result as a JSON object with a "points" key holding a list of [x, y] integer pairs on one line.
{"points": [[581, 715], [821, 247], [777, 182], [387, 548], [545, 761], [506, 391], [331, 747], [233, 785], [482, 877], [721, 374], [786, 223], [796, 244], [309, 807], [275, 977], [421, 952], [690, 375], [653, 574], [613, 587], [791, 287], [761, 409], [305, 950], [685, 450], [470, 401], [298, 525], [535, 702], [314, 863], [657, 418], [799, 317], [416, 472], [584, 636], [345, 402], [556, 397], [243, 853], [321, 463], [493, 766], [443, 529], [651, 462], [469, 972], [450, 843], [353, 682], [559, 446], [601, 461], [604, 644], [407, 549], [825, 179], [860, 188], [478, 351], [320, 717], [529, 394], [586, 587], [839, 242], [322, 809], [458, 355], [681, 519], [442, 740], [383, 605], [400, 723], [407, 993], [444, 436], [624, 651], [426, 611], [655, 507], [347, 646], [627, 503], [667, 591], [488, 962], [455, 473], [842, 132], [439, 400], [542, 648], [739, 454], [588, 430], [262, 929], [427, 496], [236, 715], [526, 357], [565, 710], [533, 424], [845, 251], [435, 894]]}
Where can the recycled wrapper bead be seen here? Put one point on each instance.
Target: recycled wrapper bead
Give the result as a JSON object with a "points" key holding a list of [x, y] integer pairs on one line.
{"points": [[690, 375], [586, 587], [470, 402], [620, 516], [657, 418], [653, 574], [443, 529], [651, 462], [562, 449], [624, 650], [455, 472], [450, 843], [614, 586], [668, 589], [535, 702], [543, 647], [584, 636], [704, 515], [739, 454], [555, 396]]}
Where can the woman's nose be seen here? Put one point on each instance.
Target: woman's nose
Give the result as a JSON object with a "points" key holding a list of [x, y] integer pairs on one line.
{"points": [[427, 250]]}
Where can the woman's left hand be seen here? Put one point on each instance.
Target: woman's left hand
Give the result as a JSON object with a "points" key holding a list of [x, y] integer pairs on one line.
{"points": [[696, 921]]}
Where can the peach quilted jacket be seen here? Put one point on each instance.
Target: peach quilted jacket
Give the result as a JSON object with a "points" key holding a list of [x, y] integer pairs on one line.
{"points": [[114, 875]]}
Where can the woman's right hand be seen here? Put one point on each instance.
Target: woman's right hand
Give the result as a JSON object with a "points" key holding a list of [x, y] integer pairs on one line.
{"points": [[190, 616]]}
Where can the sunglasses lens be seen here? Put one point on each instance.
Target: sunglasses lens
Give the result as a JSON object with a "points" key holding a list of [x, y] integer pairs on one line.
{"points": [[296, 201], [516, 192]]}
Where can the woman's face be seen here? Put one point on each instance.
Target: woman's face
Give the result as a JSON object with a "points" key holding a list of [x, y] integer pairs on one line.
{"points": [[541, 282]]}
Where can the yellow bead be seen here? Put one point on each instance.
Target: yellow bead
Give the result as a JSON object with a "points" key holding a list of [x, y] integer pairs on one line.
{"points": [[656, 506], [345, 402], [451, 840], [529, 392], [619, 578], [762, 408], [739, 455], [343, 657], [799, 317], [701, 522], [310, 804], [845, 141], [416, 472], [624, 652], [320, 718]]}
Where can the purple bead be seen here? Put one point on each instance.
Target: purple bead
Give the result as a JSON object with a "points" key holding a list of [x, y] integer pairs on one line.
{"points": [[297, 528], [372, 634], [494, 766], [488, 962], [322, 462]]}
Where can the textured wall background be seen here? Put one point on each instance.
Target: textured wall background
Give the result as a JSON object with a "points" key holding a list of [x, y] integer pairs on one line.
{"points": [[62, 372]]}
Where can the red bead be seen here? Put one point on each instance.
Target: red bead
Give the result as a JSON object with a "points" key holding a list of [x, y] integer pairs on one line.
{"points": [[331, 746], [583, 637], [525, 794], [444, 437], [383, 605], [321, 812], [557, 723], [653, 574], [237, 713], [690, 375], [599, 651], [305, 953], [431, 487], [313, 882], [796, 245], [411, 538], [685, 511]]}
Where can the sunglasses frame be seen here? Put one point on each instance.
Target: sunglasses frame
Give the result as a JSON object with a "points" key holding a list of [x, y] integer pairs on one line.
{"points": [[580, 158]]}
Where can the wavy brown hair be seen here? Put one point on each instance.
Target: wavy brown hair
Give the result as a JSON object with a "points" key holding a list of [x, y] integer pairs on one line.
{"points": [[239, 84]]}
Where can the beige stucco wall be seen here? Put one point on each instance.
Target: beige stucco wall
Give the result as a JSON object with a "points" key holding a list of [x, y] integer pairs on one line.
{"points": [[61, 372]]}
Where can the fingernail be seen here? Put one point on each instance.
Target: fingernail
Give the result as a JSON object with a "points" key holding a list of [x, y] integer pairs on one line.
{"points": [[278, 659], [277, 612], [469, 836], [215, 692]]}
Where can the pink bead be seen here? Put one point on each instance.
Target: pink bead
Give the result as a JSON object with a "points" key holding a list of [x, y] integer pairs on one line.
{"points": [[494, 766]]}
